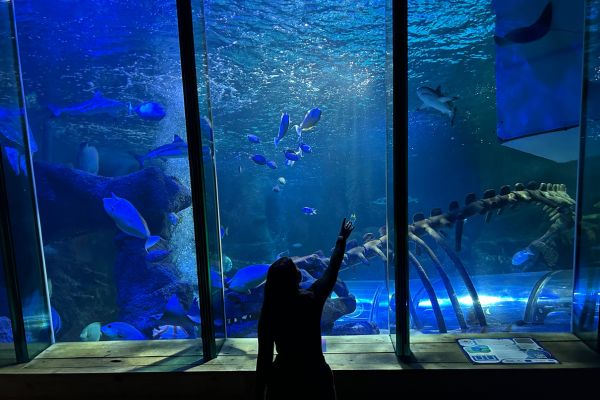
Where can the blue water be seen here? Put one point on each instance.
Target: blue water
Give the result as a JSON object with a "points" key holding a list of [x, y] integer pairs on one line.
{"points": [[265, 58]]}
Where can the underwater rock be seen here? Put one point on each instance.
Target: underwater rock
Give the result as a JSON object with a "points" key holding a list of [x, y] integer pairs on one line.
{"points": [[336, 308], [355, 328], [70, 200], [313, 263], [143, 287]]}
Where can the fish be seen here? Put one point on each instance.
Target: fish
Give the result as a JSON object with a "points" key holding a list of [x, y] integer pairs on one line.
{"points": [[272, 164], [193, 312], [282, 180], [433, 98], [253, 139], [11, 135], [307, 279], [227, 264], [260, 160], [223, 231], [169, 332], [121, 331], [597, 205], [11, 140], [206, 129], [305, 148], [530, 33], [56, 320], [129, 220], [88, 159], [91, 333], [413, 200], [352, 218], [368, 236], [291, 155], [13, 156], [98, 104], [176, 149], [276, 188], [174, 314], [173, 218], [150, 110], [284, 125], [310, 119], [309, 210], [296, 245], [523, 256], [248, 278], [215, 279], [7, 113]]}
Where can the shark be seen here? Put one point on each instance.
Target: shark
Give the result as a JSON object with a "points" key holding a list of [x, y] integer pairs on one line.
{"points": [[98, 104], [433, 98], [176, 149]]}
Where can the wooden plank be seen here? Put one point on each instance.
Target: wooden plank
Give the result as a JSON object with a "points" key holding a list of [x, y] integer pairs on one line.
{"points": [[109, 362], [250, 346], [572, 352], [134, 348], [447, 338]]}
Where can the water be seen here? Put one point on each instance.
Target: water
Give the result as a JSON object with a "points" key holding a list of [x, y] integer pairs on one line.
{"points": [[263, 58]]}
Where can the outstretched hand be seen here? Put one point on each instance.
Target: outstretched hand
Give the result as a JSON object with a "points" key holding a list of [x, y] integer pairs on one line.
{"points": [[346, 229]]}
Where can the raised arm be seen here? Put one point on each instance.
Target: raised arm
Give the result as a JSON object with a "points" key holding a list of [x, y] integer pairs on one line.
{"points": [[324, 285]]}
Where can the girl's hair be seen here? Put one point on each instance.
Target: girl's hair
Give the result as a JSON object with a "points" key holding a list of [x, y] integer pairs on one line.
{"points": [[281, 291]]}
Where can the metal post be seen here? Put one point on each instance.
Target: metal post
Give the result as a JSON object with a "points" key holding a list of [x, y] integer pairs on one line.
{"points": [[192, 122], [400, 174]]}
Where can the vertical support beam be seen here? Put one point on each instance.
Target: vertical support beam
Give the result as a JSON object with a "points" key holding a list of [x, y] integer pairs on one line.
{"points": [[400, 174], [192, 122]]}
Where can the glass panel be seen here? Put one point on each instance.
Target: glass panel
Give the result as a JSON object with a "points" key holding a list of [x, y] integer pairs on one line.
{"points": [[266, 66], [7, 93], [502, 263], [587, 278], [215, 231], [22, 211], [112, 171], [389, 298]]}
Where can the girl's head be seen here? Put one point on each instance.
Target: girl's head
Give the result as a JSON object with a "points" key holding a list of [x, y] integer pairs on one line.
{"points": [[283, 279]]}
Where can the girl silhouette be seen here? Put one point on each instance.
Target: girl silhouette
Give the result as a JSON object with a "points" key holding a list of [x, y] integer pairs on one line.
{"points": [[291, 320]]}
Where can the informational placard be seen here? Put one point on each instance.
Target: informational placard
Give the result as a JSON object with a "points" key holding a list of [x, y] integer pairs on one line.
{"points": [[523, 350]]}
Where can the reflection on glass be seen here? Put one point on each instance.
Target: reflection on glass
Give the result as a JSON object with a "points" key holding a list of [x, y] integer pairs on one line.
{"points": [[484, 250], [7, 349], [299, 113], [19, 187], [104, 98], [215, 232], [587, 278]]}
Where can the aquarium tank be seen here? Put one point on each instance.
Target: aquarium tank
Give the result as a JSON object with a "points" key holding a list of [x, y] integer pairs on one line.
{"points": [[297, 132], [495, 96]]}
